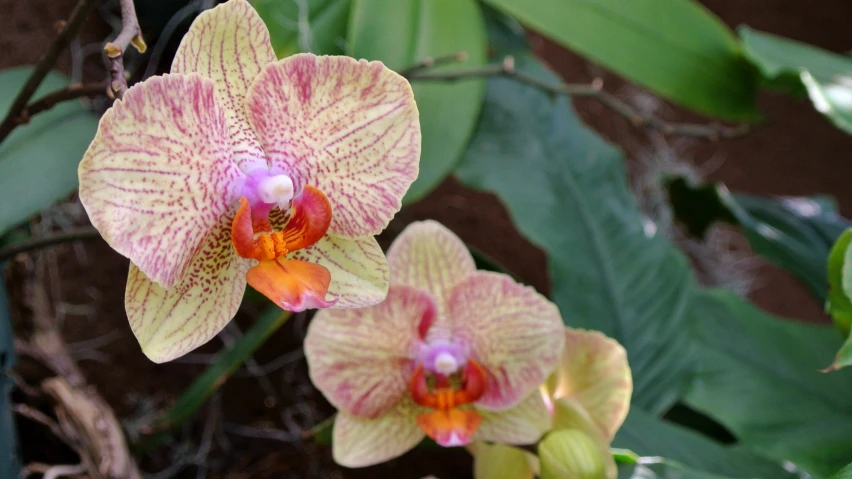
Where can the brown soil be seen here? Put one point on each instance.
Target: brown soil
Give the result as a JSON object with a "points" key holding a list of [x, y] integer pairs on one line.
{"points": [[797, 153]]}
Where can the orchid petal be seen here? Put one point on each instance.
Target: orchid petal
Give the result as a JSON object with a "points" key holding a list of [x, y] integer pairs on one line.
{"points": [[360, 442], [359, 270], [594, 372], [520, 424], [348, 127], [359, 358], [500, 461], [450, 428], [292, 285], [169, 323], [429, 256], [230, 45], [158, 176], [515, 333]]}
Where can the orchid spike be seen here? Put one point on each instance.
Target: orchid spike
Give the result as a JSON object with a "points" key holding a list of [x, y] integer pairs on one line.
{"points": [[453, 353], [237, 167]]}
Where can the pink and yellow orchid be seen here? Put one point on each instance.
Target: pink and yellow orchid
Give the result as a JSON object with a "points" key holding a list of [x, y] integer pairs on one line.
{"points": [[239, 167], [588, 396], [453, 353]]}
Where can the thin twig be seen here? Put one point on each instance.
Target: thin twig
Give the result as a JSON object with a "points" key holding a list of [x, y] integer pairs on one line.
{"points": [[431, 62], [130, 34], [41, 418], [71, 92], [45, 64], [594, 90], [81, 233]]}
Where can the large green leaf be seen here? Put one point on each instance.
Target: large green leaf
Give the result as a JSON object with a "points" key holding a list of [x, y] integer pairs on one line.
{"points": [[317, 26], [658, 468], [845, 473], [675, 48], [759, 378], [38, 161], [651, 436], [826, 76], [566, 191], [403, 32], [795, 233], [839, 303]]}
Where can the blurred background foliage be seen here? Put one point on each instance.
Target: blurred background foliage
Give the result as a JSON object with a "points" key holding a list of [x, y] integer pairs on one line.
{"points": [[722, 389]]}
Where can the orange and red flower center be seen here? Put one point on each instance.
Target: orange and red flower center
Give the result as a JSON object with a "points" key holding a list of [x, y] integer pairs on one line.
{"points": [[292, 284], [452, 423]]}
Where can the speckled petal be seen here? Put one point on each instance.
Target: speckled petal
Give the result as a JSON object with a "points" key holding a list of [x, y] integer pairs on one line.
{"points": [[521, 424], [158, 176], [348, 127], [594, 372], [360, 358], [170, 323], [429, 256], [515, 333], [230, 45], [360, 442], [359, 270]]}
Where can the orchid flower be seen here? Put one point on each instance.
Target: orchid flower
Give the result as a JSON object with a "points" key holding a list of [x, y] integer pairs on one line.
{"points": [[237, 167], [453, 353], [588, 397]]}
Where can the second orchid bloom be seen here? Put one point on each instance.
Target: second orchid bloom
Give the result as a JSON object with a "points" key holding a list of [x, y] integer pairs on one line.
{"points": [[239, 167], [453, 353]]}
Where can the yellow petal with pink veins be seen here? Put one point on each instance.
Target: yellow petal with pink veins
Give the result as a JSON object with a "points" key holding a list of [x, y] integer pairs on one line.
{"points": [[359, 270], [229, 44], [523, 423], [159, 175], [361, 358], [169, 323], [348, 127], [428, 256], [360, 442], [515, 333], [594, 373]]}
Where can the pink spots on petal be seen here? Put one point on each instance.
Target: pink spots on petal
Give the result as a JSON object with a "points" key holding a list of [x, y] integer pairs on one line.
{"points": [[158, 176], [348, 127]]}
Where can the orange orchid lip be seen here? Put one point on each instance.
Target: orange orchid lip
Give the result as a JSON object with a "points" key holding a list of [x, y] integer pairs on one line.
{"points": [[449, 425], [292, 284]]}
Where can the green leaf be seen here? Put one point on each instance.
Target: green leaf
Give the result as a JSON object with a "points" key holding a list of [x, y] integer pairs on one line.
{"points": [[759, 378], [403, 32], [675, 48], [651, 436], [826, 76], [840, 280], [317, 26], [566, 191], [38, 161], [839, 303], [845, 473], [659, 468], [794, 233]]}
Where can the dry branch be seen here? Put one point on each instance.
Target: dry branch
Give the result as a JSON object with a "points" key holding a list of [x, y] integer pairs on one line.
{"points": [[85, 420]]}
